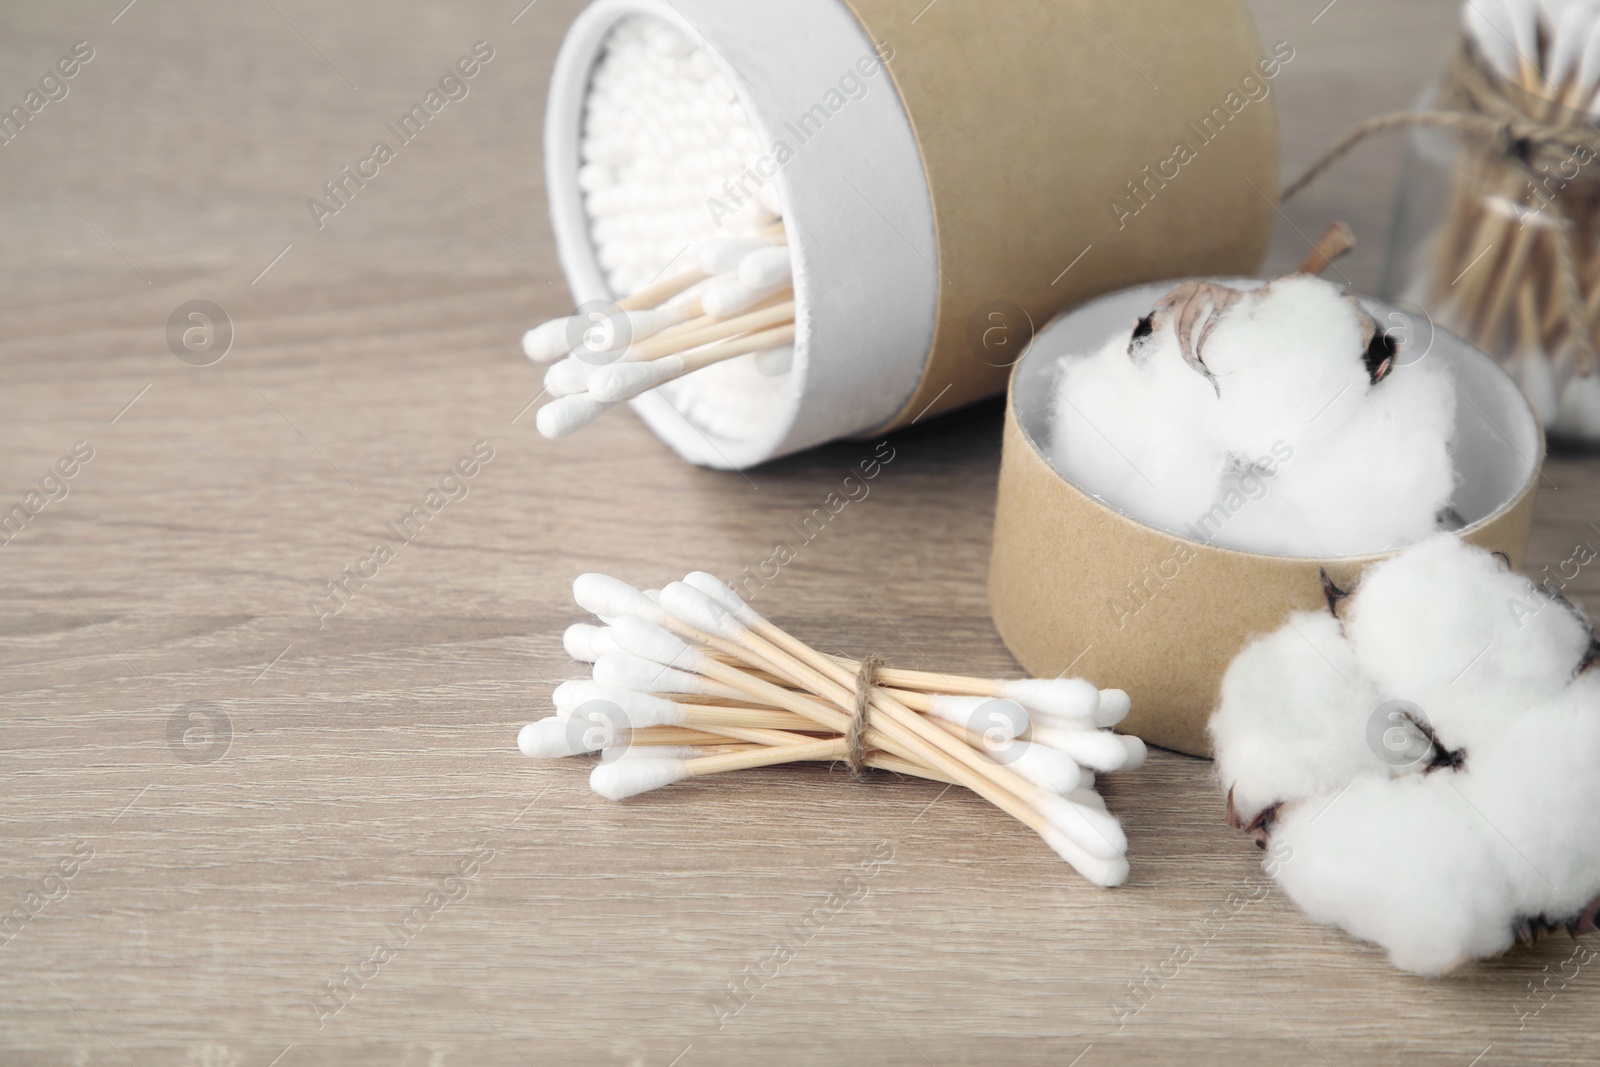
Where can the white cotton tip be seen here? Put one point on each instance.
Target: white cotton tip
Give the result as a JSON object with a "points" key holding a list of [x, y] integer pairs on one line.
{"points": [[569, 696], [1106, 873], [752, 214], [640, 675], [624, 381], [1538, 380], [586, 642], [1569, 31], [998, 720], [726, 296], [568, 414], [723, 255], [1580, 407], [1100, 750], [723, 594], [649, 641], [1137, 752], [1589, 62], [1044, 767], [1056, 698], [775, 361], [1492, 25], [620, 779], [766, 268], [551, 738], [1084, 796], [639, 709], [1095, 830], [693, 608], [1114, 707], [568, 377], [548, 341], [611, 598]]}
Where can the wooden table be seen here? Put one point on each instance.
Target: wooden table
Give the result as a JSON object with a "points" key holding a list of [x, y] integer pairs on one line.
{"points": [[351, 780]]}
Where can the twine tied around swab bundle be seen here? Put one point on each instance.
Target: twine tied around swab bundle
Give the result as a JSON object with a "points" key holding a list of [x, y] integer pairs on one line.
{"points": [[861, 715], [1480, 107]]}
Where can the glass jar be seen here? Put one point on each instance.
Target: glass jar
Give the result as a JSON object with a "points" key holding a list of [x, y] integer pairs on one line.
{"points": [[1474, 242]]}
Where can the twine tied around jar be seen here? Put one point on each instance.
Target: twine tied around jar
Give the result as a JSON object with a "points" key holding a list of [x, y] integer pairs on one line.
{"points": [[1523, 131]]}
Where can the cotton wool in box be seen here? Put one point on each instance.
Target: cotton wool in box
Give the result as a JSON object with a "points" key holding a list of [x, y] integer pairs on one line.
{"points": [[1279, 419], [1427, 754]]}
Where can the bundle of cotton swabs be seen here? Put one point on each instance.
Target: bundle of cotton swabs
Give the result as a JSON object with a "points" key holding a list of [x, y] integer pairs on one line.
{"points": [[690, 681], [736, 300], [1496, 275]]}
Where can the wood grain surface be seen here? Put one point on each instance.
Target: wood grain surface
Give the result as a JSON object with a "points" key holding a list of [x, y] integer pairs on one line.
{"points": [[351, 781]]}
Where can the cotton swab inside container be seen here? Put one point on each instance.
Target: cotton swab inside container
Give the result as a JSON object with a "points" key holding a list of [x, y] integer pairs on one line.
{"points": [[664, 135], [693, 664]]}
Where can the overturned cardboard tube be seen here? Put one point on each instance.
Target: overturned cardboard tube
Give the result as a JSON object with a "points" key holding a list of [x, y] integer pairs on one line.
{"points": [[1076, 586], [995, 165], [1073, 149]]}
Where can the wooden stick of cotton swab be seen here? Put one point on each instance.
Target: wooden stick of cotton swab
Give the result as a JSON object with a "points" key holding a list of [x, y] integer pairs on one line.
{"points": [[1039, 763], [1075, 834], [624, 381], [1068, 734], [550, 341], [573, 409], [1080, 832], [1058, 698]]}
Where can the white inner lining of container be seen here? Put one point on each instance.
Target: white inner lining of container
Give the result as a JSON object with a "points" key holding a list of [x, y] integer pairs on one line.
{"points": [[857, 210]]}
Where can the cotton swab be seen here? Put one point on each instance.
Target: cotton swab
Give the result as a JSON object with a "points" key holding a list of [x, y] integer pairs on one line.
{"points": [[624, 381], [1063, 698], [1546, 56], [720, 255], [764, 269], [568, 414], [550, 341], [901, 728], [727, 296], [731, 664]]}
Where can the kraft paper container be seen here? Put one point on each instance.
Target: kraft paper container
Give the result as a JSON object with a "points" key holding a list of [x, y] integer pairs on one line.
{"points": [[978, 166], [1065, 565]]}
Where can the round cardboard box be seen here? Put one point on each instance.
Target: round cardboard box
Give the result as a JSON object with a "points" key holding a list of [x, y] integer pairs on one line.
{"points": [[1078, 587]]}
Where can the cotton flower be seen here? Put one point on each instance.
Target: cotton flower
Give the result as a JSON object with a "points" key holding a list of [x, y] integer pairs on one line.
{"points": [[1427, 752], [1275, 419]]}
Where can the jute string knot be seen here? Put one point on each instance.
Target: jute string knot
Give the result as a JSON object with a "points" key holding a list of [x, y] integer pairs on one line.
{"points": [[861, 715], [1478, 104]]}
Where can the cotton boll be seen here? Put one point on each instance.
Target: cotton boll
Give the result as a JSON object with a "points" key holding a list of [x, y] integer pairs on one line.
{"points": [[1486, 835], [1406, 864], [1292, 719], [1373, 478], [1537, 786], [1272, 419], [1126, 433], [1448, 626], [1282, 356]]}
